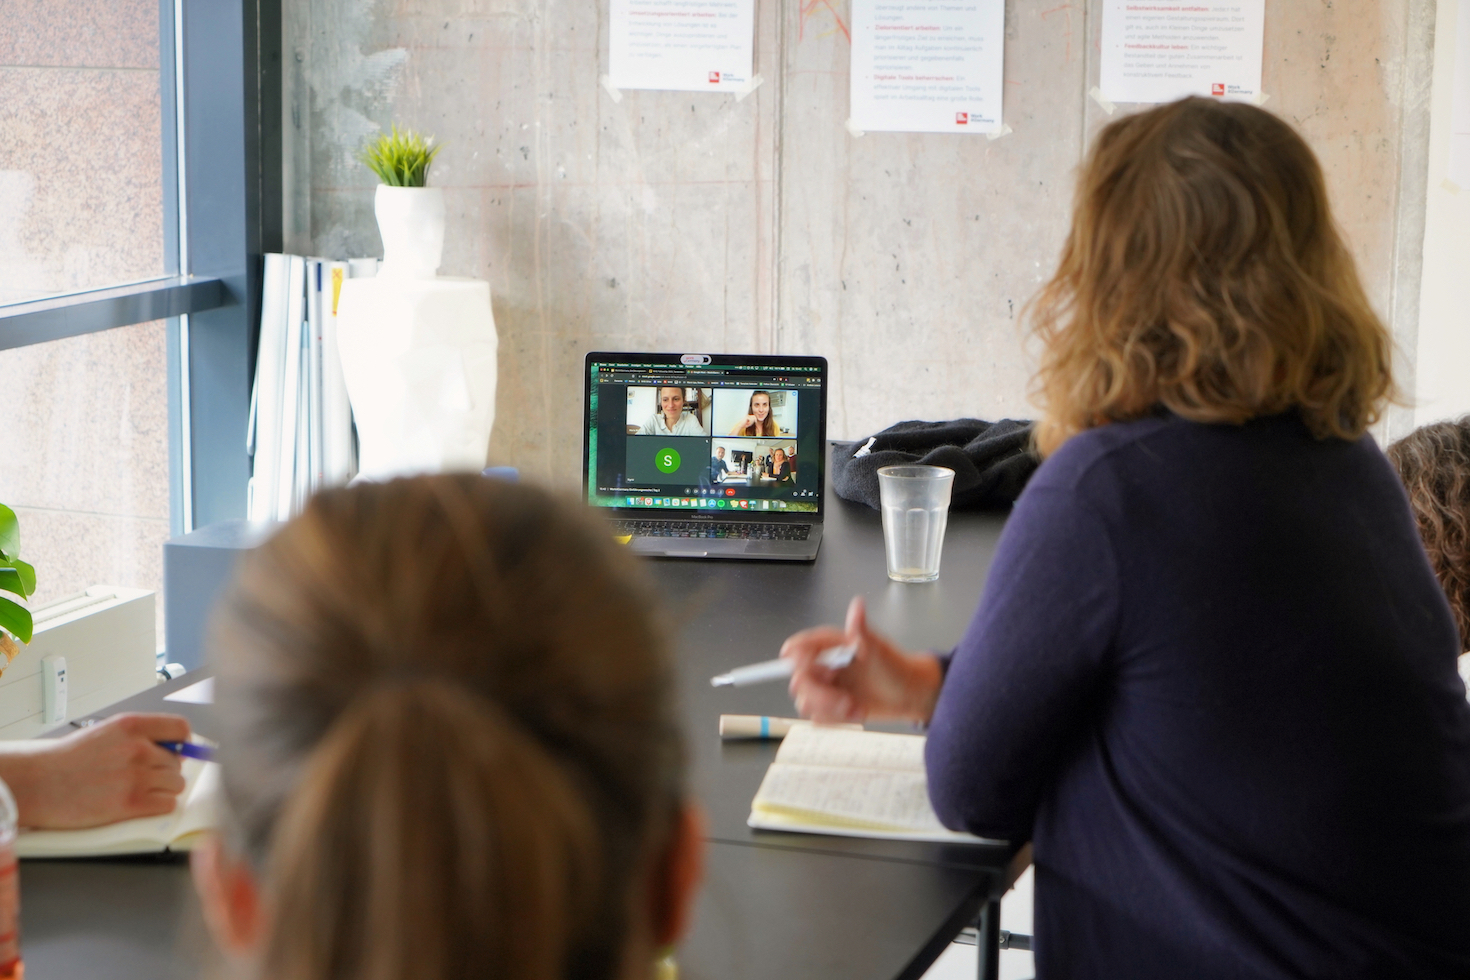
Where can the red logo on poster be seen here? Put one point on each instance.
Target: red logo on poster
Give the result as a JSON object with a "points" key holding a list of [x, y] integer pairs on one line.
{"points": [[1217, 89], [961, 118], [714, 79]]}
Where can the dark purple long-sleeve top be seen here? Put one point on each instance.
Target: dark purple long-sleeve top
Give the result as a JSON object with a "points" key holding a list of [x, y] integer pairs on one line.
{"points": [[1212, 679]]}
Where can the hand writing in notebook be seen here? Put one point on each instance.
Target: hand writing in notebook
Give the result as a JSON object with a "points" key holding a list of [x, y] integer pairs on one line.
{"points": [[882, 682], [108, 772]]}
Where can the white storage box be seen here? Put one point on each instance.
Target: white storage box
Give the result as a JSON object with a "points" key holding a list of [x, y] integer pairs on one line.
{"points": [[108, 638]]}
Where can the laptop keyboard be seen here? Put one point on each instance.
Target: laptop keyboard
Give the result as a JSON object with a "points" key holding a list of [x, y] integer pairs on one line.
{"points": [[706, 529]]}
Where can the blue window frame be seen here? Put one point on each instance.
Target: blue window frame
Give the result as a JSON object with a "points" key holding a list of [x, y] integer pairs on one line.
{"points": [[220, 62]]}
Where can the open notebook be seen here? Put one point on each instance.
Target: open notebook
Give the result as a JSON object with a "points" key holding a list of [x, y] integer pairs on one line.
{"points": [[176, 831], [852, 784]]}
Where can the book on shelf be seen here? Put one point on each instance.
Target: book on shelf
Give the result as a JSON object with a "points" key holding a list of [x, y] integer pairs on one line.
{"points": [[300, 435], [288, 473], [195, 814], [339, 457], [829, 780]]}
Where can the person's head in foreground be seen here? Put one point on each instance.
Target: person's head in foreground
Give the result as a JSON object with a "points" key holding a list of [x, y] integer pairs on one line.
{"points": [[1204, 274], [449, 747], [1434, 463]]}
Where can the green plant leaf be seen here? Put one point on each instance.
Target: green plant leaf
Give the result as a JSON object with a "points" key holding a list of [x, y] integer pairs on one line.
{"points": [[16, 619], [27, 575], [400, 159], [10, 581], [17, 576], [9, 533]]}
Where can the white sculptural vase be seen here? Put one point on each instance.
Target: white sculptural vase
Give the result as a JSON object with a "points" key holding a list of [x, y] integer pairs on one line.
{"points": [[411, 223], [419, 360], [418, 352]]}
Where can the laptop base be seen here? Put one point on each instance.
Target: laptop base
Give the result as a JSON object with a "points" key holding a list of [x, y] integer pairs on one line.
{"points": [[739, 549]]}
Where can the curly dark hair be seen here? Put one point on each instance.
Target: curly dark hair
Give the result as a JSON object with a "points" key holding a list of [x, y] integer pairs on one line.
{"points": [[1434, 463]]}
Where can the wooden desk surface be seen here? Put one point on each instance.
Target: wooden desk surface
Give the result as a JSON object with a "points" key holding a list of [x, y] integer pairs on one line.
{"points": [[773, 905]]}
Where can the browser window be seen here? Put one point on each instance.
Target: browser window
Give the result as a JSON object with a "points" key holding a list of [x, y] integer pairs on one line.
{"points": [[741, 438]]}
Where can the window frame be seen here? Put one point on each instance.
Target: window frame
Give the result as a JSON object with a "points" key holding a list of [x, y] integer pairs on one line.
{"points": [[220, 95]]}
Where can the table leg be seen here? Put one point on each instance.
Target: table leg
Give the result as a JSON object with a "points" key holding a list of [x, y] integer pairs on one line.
{"points": [[987, 950]]}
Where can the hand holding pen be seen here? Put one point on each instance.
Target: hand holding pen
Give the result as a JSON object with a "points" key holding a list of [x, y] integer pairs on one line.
{"points": [[190, 750], [835, 658], [881, 681], [105, 772]]}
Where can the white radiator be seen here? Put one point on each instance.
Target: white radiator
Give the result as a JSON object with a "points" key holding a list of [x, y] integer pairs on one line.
{"points": [[107, 636]]}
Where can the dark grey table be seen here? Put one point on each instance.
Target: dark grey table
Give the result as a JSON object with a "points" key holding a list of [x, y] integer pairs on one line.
{"points": [[773, 904]]}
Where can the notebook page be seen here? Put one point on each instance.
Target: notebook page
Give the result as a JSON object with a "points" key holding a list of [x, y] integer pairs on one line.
{"points": [[140, 836], [772, 820], [895, 801], [815, 745], [199, 810]]}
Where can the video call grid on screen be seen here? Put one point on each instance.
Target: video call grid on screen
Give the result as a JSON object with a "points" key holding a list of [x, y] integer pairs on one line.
{"points": [[725, 439]]}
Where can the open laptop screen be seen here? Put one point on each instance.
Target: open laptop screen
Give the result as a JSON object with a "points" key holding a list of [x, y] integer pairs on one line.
{"points": [[724, 434]]}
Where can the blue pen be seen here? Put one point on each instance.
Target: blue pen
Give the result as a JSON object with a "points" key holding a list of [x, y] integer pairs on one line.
{"points": [[201, 752]]}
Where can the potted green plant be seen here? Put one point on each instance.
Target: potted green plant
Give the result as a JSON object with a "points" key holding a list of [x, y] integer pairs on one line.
{"points": [[17, 578], [418, 352], [410, 213]]}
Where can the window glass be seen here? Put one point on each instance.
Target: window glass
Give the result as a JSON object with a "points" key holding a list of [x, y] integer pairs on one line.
{"points": [[81, 162], [84, 459]]}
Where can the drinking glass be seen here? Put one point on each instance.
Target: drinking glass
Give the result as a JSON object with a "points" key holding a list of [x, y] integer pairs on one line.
{"points": [[915, 511]]}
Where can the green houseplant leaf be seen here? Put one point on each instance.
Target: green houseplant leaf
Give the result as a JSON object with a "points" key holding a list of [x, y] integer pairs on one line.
{"points": [[11, 581], [400, 159], [16, 619], [18, 578], [27, 575], [9, 533]]}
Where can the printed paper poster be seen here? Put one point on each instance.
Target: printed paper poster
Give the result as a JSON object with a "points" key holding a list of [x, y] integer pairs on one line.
{"points": [[928, 66], [681, 45], [1157, 51]]}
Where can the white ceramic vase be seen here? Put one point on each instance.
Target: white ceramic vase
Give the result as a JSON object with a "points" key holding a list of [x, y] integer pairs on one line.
{"points": [[411, 222], [419, 361], [418, 351]]}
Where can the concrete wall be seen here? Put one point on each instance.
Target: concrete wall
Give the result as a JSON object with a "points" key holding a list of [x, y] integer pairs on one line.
{"points": [[696, 222]]}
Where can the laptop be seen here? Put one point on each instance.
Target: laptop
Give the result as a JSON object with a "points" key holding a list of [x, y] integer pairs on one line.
{"points": [[708, 455]]}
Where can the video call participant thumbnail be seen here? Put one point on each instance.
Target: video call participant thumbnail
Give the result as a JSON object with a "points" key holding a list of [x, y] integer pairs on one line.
{"points": [[758, 420], [773, 463], [754, 413], [667, 460], [672, 418]]}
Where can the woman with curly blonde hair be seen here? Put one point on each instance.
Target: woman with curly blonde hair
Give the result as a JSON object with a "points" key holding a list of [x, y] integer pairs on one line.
{"points": [[1212, 676]]}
